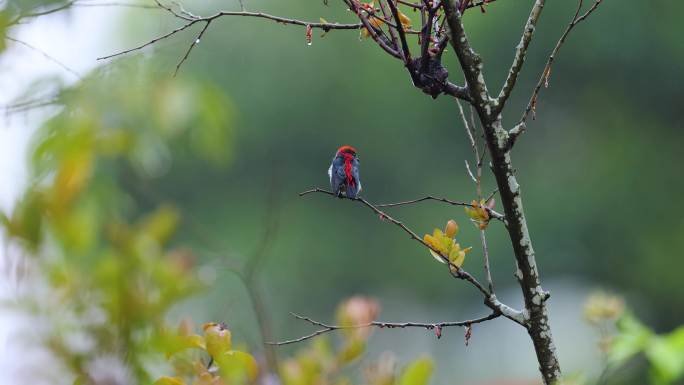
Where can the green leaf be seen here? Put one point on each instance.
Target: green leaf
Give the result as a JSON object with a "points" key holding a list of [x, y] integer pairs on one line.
{"points": [[217, 339], [3, 28], [237, 367], [169, 381], [417, 373], [161, 224], [353, 350], [634, 337], [174, 343], [666, 354]]}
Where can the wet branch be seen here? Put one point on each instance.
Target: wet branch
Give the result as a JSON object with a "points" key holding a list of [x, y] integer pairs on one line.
{"points": [[325, 328], [494, 214], [520, 53], [546, 73], [457, 272]]}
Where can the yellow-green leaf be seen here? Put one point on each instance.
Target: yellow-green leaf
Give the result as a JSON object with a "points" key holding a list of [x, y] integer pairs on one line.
{"points": [[237, 367], [417, 373], [353, 350], [161, 224], [169, 381], [375, 22], [217, 339], [405, 20], [3, 27]]}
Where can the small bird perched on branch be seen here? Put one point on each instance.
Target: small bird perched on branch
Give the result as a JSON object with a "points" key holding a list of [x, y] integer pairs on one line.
{"points": [[344, 173]]}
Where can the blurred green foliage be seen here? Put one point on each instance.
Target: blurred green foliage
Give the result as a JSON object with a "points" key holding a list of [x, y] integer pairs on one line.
{"points": [[623, 337], [100, 249], [108, 256], [665, 352]]}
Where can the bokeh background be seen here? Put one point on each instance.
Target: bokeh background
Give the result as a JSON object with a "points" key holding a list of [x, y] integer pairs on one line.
{"points": [[254, 117]]}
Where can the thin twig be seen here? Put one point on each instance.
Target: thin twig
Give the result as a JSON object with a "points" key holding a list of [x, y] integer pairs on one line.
{"points": [[186, 12], [29, 105], [546, 73], [494, 214], [156, 39], [491, 195], [355, 7], [76, 4], [40, 13], [45, 54], [406, 52], [282, 20], [478, 183], [392, 31], [485, 251], [183, 15], [470, 172], [412, 5], [456, 271], [520, 54], [381, 325], [192, 45], [427, 35]]}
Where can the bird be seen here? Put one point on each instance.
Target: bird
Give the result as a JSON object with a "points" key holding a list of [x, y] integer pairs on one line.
{"points": [[344, 173]]}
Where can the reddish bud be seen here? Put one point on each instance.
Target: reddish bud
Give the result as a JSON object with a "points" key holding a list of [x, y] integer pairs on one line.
{"points": [[468, 334], [438, 331], [451, 229], [309, 34]]}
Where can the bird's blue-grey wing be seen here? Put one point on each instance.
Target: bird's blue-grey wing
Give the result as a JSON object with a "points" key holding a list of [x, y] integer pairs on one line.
{"points": [[336, 173], [354, 189], [355, 173]]}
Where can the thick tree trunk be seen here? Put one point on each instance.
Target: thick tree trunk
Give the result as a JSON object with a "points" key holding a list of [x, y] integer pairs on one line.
{"points": [[528, 276]]}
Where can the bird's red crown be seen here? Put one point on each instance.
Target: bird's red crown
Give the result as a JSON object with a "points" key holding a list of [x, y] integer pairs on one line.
{"points": [[346, 149]]}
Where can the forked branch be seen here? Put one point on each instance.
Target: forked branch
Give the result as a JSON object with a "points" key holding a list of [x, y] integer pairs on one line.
{"points": [[546, 73], [456, 271], [520, 53], [325, 328]]}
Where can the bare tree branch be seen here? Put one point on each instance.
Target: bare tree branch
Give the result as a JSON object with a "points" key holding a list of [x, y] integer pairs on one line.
{"points": [[75, 4], [45, 55], [456, 271], [30, 105], [405, 51], [192, 45], [169, 34], [520, 53], [469, 128], [387, 17], [469, 60], [324, 26], [381, 325], [354, 5], [494, 214], [59, 8], [546, 73], [485, 252]]}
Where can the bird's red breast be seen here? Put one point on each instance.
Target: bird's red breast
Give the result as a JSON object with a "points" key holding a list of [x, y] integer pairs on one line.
{"points": [[348, 152]]}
